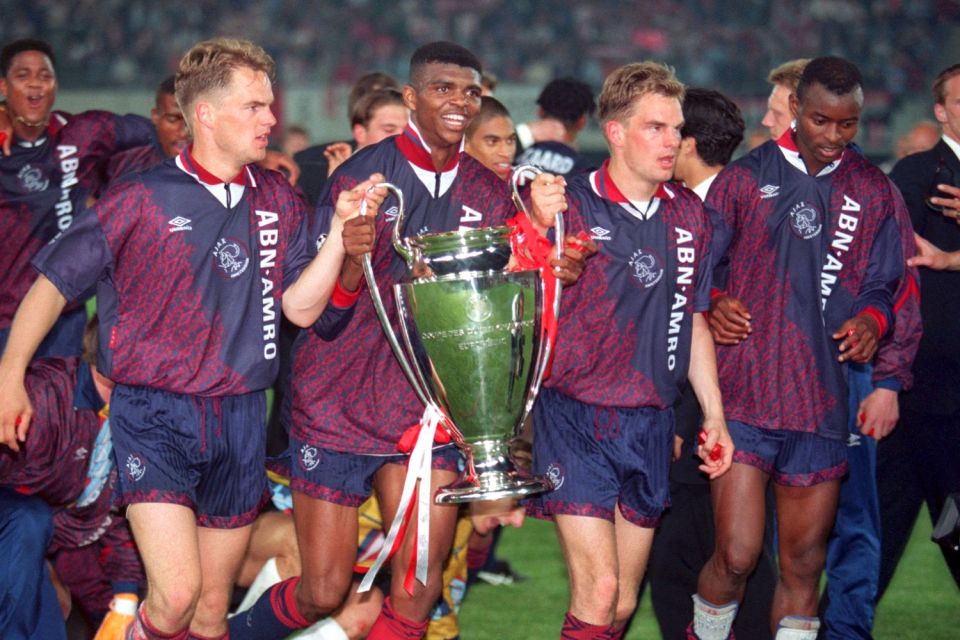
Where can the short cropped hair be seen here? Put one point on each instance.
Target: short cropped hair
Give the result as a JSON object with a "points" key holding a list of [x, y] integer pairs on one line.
{"points": [[715, 122], [490, 108], [368, 83], [209, 66], [444, 53], [836, 75], [939, 84], [788, 74], [567, 99], [368, 104], [166, 88], [15, 48], [632, 81]]}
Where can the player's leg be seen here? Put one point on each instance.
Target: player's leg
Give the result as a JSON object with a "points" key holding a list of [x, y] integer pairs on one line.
{"points": [[166, 535], [633, 552], [589, 547], [739, 516], [805, 517], [221, 556], [853, 549], [404, 615]]}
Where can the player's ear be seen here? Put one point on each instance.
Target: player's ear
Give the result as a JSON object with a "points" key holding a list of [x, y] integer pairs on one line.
{"points": [[939, 112], [203, 112], [794, 104], [613, 130], [409, 94]]}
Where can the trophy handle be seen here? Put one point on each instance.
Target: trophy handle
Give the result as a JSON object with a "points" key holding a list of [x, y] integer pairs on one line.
{"points": [[378, 299], [546, 349]]}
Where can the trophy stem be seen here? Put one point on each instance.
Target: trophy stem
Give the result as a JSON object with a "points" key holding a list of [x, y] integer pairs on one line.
{"points": [[496, 476]]}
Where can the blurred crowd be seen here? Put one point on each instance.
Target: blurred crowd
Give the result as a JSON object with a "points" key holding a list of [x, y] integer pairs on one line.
{"points": [[120, 43]]}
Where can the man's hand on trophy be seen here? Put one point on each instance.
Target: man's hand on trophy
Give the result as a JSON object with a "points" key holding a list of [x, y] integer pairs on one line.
{"points": [[359, 237], [350, 203], [576, 250], [548, 196]]}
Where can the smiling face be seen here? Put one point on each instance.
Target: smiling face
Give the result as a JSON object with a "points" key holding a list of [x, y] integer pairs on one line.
{"points": [[443, 101], [826, 123], [30, 87]]}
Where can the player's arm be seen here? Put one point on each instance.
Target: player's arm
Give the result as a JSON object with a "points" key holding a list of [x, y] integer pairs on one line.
{"points": [[859, 337], [705, 382], [729, 319], [305, 299], [35, 317]]}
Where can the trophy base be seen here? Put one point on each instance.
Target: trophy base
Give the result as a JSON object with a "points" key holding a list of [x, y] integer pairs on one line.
{"points": [[497, 477]]}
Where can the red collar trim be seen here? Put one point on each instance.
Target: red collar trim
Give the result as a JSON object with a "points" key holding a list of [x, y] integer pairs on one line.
{"points": [[605, 186], [186, 157], [787, 142], [413, 149]]}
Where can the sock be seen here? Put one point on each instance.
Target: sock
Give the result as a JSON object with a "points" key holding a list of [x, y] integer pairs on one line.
{"points": [[267, 577], [141, 629], [797, 628], [274, 615], [326, 629], [710, 621], [390, 625], [576, 629]]}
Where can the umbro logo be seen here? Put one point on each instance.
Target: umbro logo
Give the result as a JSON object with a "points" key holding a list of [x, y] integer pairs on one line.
{"points": [[769, 191], [853, 440], [80, 453], [180, 224], [599, 233], [391, 213]]}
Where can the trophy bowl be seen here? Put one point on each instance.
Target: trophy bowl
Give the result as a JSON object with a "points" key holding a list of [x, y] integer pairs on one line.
{"points": [[473, 346]]}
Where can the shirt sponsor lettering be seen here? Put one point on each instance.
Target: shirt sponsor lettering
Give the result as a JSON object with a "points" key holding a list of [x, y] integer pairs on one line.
{"points": [[267, 238], [839, 246]]}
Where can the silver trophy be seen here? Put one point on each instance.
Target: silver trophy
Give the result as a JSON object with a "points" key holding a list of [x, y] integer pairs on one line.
{"points": [[471, 345]]}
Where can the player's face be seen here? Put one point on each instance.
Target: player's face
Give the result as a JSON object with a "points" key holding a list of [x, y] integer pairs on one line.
{"points": [[494, 143], [445, 100], [778, 118], [826, 123], [30, 88], [170, 126], [487, 515], [242, 118], [948, 113], [647, 143], [388, 120]]}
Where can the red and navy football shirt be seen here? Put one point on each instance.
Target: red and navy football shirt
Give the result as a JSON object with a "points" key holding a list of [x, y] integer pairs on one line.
{"points": [[805, 254], [349, 392], [625, 327], [44, 184], [189, 273]]}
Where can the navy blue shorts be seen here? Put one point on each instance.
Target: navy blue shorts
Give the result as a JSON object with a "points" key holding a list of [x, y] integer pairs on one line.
{"points": [[347, 478], [204, 453], [791, 458], [599, 458]]}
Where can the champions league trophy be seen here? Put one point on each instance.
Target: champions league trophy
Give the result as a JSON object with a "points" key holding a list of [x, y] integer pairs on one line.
{"points": [[473, 344]]}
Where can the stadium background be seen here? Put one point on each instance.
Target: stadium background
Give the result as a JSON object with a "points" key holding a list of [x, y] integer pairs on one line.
{"points": [[113, 53]]}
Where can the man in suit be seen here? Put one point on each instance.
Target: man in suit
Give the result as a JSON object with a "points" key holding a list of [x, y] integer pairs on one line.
{"points": [[917, 462]]}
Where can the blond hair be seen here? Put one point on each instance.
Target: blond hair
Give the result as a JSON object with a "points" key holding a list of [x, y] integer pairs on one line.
{"points": [[632, 81], [209, 66], [789, 73]]}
